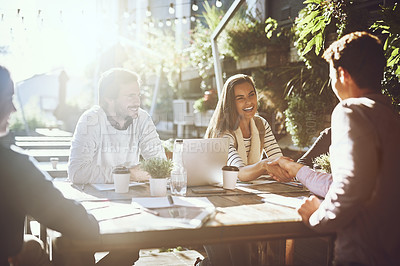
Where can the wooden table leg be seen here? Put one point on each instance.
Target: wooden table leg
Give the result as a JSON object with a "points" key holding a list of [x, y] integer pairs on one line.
{"points": [[289, 253]]}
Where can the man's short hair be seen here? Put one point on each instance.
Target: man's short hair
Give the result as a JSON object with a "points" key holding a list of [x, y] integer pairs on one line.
{"points": [[361, 54], [110, 83]]}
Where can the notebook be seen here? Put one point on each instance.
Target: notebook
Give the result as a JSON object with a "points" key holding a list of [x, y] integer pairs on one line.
{"points": [[204, 159]]}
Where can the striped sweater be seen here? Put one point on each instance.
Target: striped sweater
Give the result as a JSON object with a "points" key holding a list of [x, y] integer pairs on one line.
{"points": [[271, 147]]}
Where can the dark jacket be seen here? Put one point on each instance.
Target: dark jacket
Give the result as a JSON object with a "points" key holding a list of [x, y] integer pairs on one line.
{"points": [[319, 147], [24, 190]]}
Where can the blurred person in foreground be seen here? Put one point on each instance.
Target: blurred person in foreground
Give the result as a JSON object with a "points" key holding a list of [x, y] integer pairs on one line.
{"points": [[114, 133], [250, 136], [26, 191], [361, 198]]}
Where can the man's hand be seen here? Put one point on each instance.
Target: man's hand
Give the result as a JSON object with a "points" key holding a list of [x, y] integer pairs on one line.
{"points": [[308, 207], [288, 165], [276, 171]]}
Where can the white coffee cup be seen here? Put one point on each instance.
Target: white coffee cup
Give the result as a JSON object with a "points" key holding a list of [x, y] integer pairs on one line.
{"points": [[121, 176], [54, 161], [230, 175]]}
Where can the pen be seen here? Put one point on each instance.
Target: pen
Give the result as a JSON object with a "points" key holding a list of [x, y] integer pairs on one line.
{"points": [[81, 187], [170, 200], [149, 211], [140, 207]]}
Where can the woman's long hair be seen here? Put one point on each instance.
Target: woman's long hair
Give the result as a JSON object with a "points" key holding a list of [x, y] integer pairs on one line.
{"points": [[226, 117]]}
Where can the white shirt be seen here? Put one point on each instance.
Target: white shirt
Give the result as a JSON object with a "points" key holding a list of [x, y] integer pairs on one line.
{"points": [[97, 147]]}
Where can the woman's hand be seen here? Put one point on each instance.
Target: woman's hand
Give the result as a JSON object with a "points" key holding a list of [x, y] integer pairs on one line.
{"points": [[276, 171]]}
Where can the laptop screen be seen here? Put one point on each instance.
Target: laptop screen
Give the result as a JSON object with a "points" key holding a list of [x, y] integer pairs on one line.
{"points": [[204, 159]]}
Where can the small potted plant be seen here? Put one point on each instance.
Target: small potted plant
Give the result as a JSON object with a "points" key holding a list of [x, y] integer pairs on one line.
{"points": [[159, 170], [168, 147]]}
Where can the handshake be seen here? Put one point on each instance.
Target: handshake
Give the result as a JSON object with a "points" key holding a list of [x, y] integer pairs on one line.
{"points": [[282, 169]]}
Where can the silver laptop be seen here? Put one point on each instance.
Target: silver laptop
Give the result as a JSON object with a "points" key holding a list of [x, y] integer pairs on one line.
{"points": [[204, 159]]}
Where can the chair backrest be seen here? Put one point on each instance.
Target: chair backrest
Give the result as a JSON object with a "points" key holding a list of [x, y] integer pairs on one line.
{"points": [[183, 111]]}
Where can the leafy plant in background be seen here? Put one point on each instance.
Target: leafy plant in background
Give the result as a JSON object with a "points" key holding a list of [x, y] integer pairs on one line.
{"points": [[390, 25], [248, 34], [308, 100], [200, 52], [318, 19], [33, 117], [207, 102], [157, 58], [306, 114]]}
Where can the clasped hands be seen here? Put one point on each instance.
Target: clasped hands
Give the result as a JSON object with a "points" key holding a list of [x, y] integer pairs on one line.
{"points": [[284, 169]]}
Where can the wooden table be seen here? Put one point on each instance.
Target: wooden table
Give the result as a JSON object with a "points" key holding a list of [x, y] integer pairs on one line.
{"points": [[44, 144], [241, 215], [44, 155]]}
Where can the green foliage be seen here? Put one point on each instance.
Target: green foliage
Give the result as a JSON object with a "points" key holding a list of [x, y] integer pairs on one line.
{"points": [[390, 26], [323, 162], [314, 23], [247, 34], [199, 105], [168, 145], [33, 117], [306, 116], [200, 52], [308, 101], [17, 124], [207, 102], [157, 167], [270, 26], [157, 57]]}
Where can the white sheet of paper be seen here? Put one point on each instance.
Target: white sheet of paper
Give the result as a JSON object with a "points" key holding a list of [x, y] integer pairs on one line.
{"points": [[162, 202], [102, 187], [113, 211], [291, 202]]}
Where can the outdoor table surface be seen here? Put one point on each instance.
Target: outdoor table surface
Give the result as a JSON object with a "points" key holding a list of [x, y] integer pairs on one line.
{"points": [[241, 216], [53, 132], [60, 171], [42, 138], [43, 144], [42, 155]]}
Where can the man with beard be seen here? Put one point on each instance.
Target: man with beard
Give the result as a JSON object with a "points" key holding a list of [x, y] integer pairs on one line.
{"points": [[114, 133]]}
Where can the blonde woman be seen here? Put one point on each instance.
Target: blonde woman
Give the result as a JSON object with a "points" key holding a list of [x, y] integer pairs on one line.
{"points": [[250, 136]]}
